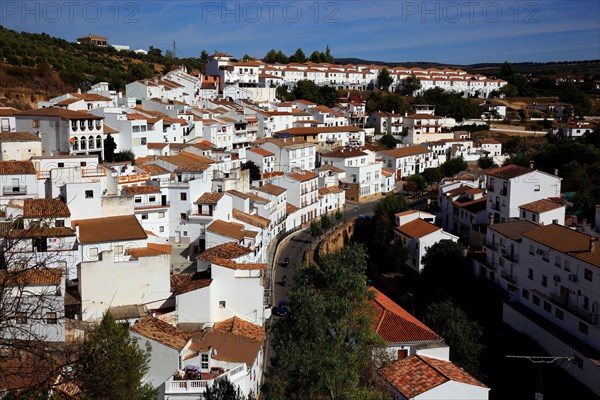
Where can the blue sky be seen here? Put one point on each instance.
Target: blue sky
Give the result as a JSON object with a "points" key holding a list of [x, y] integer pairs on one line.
{"points": [[452, 32]]}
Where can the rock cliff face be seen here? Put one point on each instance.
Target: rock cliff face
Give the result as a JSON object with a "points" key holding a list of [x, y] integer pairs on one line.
{"points": [[337, 239]]}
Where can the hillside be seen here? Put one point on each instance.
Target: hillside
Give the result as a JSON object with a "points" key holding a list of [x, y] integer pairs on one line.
{"points": [[35, 66]]}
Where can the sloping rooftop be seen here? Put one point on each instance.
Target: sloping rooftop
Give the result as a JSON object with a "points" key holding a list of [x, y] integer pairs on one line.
{"points": [[153, 169], [188, 282], [262, 152], [509, 171], [396, 325], [302, 176], [32, 277], [161, 332], [223, 262], [416, 374], [514, 230], [129, 311], [228, 250], [58, 112], [417, 228], [16, 167], [271, 189], [229, 229], [344, 152], [541, 206], [251, 219], [45, 208], [210, 197], [19, 137], [406, 151], [144, 189], [240, 327], [109, 229]]}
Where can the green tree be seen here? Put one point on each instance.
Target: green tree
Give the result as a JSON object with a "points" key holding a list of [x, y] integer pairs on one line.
{"points": [[412, 84], [316, 57], [432, 175], [327, 340], [203, 57], [308, 90], [384, 79], [223, 389], [384, 219], [486, 162], [570, 93], [315, 229], [298, 57], [125, 155], [454, 166], [325, 222], [389, 141], [397, 254], [463, 336], [254, 170], [449, 104], [111, 365], [446, 271], [419, 181], [109, 148], [338, 215]]}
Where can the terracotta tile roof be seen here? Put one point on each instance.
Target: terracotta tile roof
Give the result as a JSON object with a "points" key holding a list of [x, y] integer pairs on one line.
{"points": [[4, 111], [416, 374], [16, 167], [34, 232], [197, 157], [32, 277], [161, 332], [395, 325], [563, 239], [290, 208], [417, 228], [239, 327], [541, 206], [228, 250], [489, 141], [269, 188], [59, 112], [329, 167], [45, 208], [19, 137], [188, 282], [472, 206], [106, 129], [228, 229], [237, 193], [109, 229], [210, 198], [292, 142], [344, 152], [251, 219], [156, 145], [302, 176], [406, 151], [223, 262], [403, 213], [323, 191], [185, 163], [132, 190], [261, 151], [231, 348], [90, 97], [320, 129], [514, 230], [509, 171], [422, 116], [256, 198], [154, 169], [151, 250], [129, 311]]}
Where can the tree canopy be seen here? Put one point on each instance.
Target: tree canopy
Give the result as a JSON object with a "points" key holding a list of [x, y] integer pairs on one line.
{"points": [[412, 85], [449, 104], [112, 365], [384, 79], [324, 347]]}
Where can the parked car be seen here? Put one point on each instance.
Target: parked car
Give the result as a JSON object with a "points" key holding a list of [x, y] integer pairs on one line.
{"points": [[282, 309]]}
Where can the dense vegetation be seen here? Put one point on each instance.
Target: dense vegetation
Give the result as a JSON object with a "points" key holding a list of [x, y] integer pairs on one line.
{"points": [[81, 65], [277, 56]]}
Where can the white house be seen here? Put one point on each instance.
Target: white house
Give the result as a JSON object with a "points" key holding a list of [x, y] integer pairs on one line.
{"points": [[19, 146], [262, 158], [19, 180], [151, 208], [410, 160], [510, 186], [302, 192], [418, 234], [543, 211], [290, 153]]}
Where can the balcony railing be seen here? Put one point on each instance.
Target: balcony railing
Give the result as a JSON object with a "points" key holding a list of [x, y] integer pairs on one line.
{"points": [[510, 256], [510, 278], [490, 245], [199, 386], [490, 188], [13, 190], [496, 206], [589, 317], [503, 191], [155, 204]]}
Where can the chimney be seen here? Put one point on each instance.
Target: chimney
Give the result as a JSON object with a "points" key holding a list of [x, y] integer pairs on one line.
{"points": [[405, 114], [531, 164], [78, 90], [490, 219], [593, 244], [555, 221], [556, 171]]}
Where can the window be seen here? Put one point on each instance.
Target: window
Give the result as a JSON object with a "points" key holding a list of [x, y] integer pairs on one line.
{"points": [[51, 318], [152, 198], [61, 165], [544, 281], [183, 196], [185, 233], [546, 255], [222, 304], [559, 313], [530, 274], [137, 200], [525, 293], [536, 300], [558, 261], [144, 216], [143, 141], [531, 250], [161, 214], [536, 188], [118, 249], [583, 328], [35, 123], [567, 265], [59, 223], [183, 216], [547, 307], [587, 274], [204, 361], [93, 252], [21, 318], [161, 228], [89, 194]]}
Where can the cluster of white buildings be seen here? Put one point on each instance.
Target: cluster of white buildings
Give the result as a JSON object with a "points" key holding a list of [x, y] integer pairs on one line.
{"points": [[256, 77], [550, 271]]}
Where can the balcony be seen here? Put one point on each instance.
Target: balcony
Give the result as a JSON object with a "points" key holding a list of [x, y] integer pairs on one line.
{"points": [[503, 191], [507, 276], [155, 204], [496, 206], [510, 256], [174, 386], [490, 245], [490, 188], [562, 302], [13, 190]]}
